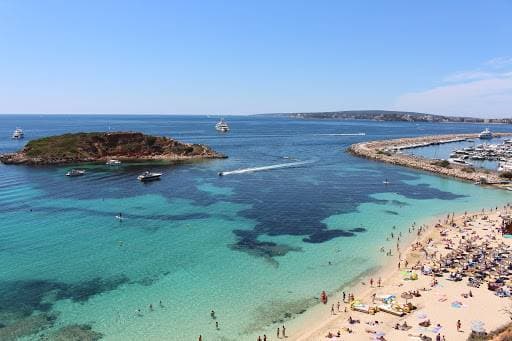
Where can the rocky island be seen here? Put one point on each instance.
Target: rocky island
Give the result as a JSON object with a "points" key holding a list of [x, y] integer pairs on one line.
{"points": [[101, 146]]}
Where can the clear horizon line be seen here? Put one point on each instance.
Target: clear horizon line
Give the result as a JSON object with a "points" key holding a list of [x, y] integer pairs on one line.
{"points": [[242, 114]]}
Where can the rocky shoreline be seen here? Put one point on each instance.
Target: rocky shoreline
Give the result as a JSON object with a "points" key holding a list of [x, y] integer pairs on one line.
{"points": [[386, 151], [101, 147]]}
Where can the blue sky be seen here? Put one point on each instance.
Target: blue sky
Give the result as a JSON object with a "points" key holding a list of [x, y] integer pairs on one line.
{"points": [[244, 57]]}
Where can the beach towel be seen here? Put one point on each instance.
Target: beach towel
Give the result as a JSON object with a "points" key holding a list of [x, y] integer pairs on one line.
{"points": [[456, 304], [421, 316]]}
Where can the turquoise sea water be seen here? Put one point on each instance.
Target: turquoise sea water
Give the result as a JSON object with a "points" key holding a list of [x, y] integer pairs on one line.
{"points": [[254, 247]]}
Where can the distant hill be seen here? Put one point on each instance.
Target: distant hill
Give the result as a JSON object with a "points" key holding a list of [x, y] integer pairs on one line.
{"points": [[387, 115]]}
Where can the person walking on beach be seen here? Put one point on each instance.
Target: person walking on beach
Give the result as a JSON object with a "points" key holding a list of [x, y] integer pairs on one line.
{"points": [[371, 282], [259, 338], [200, 338], [338, 306], [379, 282], [344, 297], [332, 309], [278, 336], [284, 331], [459, 325], [217, 325], [264, 337]]}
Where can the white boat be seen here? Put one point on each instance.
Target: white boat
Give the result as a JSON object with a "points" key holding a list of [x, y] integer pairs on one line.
{"points": [[149, 176], [113, 162], [486, 134], [505, 166], [76, 172], [222, 126], [18, 134], [459, 161]]}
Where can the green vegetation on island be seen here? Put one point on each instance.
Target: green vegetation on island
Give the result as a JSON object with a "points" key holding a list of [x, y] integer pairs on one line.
{"points": [[101, 146]]}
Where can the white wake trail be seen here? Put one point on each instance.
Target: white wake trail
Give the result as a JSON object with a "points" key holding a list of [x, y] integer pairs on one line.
{"points": [[264, 168], [342, 134]]}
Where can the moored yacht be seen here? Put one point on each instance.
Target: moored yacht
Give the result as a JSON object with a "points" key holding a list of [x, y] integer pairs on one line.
{"points": [[113, 162], [459, 161], [486, 134], [75, 172], [222, 126], [149, 176], [18, 134], [505, 166]]}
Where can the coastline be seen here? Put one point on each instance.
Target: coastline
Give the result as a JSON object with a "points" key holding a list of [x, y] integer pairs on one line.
{"points": [[320, 317], [385, 151], [392, 282]]}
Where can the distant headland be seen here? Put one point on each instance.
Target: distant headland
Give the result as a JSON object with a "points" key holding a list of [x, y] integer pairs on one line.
{"points": [[387, 115], [102, 146]]}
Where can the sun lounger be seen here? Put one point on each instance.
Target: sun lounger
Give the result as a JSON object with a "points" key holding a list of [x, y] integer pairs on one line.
{"points": [[364, 308], [390, 310]]}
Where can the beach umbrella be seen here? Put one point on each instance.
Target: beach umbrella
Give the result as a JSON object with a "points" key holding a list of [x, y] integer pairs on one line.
{"points": [[407, 296], [477, 326]]}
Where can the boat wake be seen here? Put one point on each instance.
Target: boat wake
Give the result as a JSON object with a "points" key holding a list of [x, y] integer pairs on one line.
{"points": [[265, 168], [342, 134]]}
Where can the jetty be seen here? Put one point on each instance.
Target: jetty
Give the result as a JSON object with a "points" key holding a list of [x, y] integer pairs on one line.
{"points": [[389, 151], [429, 143]]}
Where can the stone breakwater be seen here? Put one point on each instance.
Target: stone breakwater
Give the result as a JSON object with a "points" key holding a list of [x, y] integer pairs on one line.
{"points": [[386, 151]]}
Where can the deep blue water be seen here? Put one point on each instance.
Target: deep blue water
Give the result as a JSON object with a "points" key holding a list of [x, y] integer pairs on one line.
{"points": [[64, 254]]}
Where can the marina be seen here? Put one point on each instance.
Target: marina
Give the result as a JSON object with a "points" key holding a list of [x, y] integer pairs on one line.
{"points": [[461, 166]]}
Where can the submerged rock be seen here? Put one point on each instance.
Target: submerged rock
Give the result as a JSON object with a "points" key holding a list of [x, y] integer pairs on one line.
{"points": [[26, 326], [76, 332]]}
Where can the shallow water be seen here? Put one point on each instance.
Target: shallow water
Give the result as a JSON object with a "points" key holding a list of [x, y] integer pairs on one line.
{"points": [[255, 246]]}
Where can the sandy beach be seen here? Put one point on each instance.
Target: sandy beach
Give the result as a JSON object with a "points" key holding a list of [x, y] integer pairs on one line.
{"points": [[442, 303]]}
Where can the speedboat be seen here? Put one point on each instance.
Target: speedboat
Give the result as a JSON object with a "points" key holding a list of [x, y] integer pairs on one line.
{"points": [[76, 172], [18, 134], [459, 161], [486, 134], [222, 126], [113, 162], [149, 176]]}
